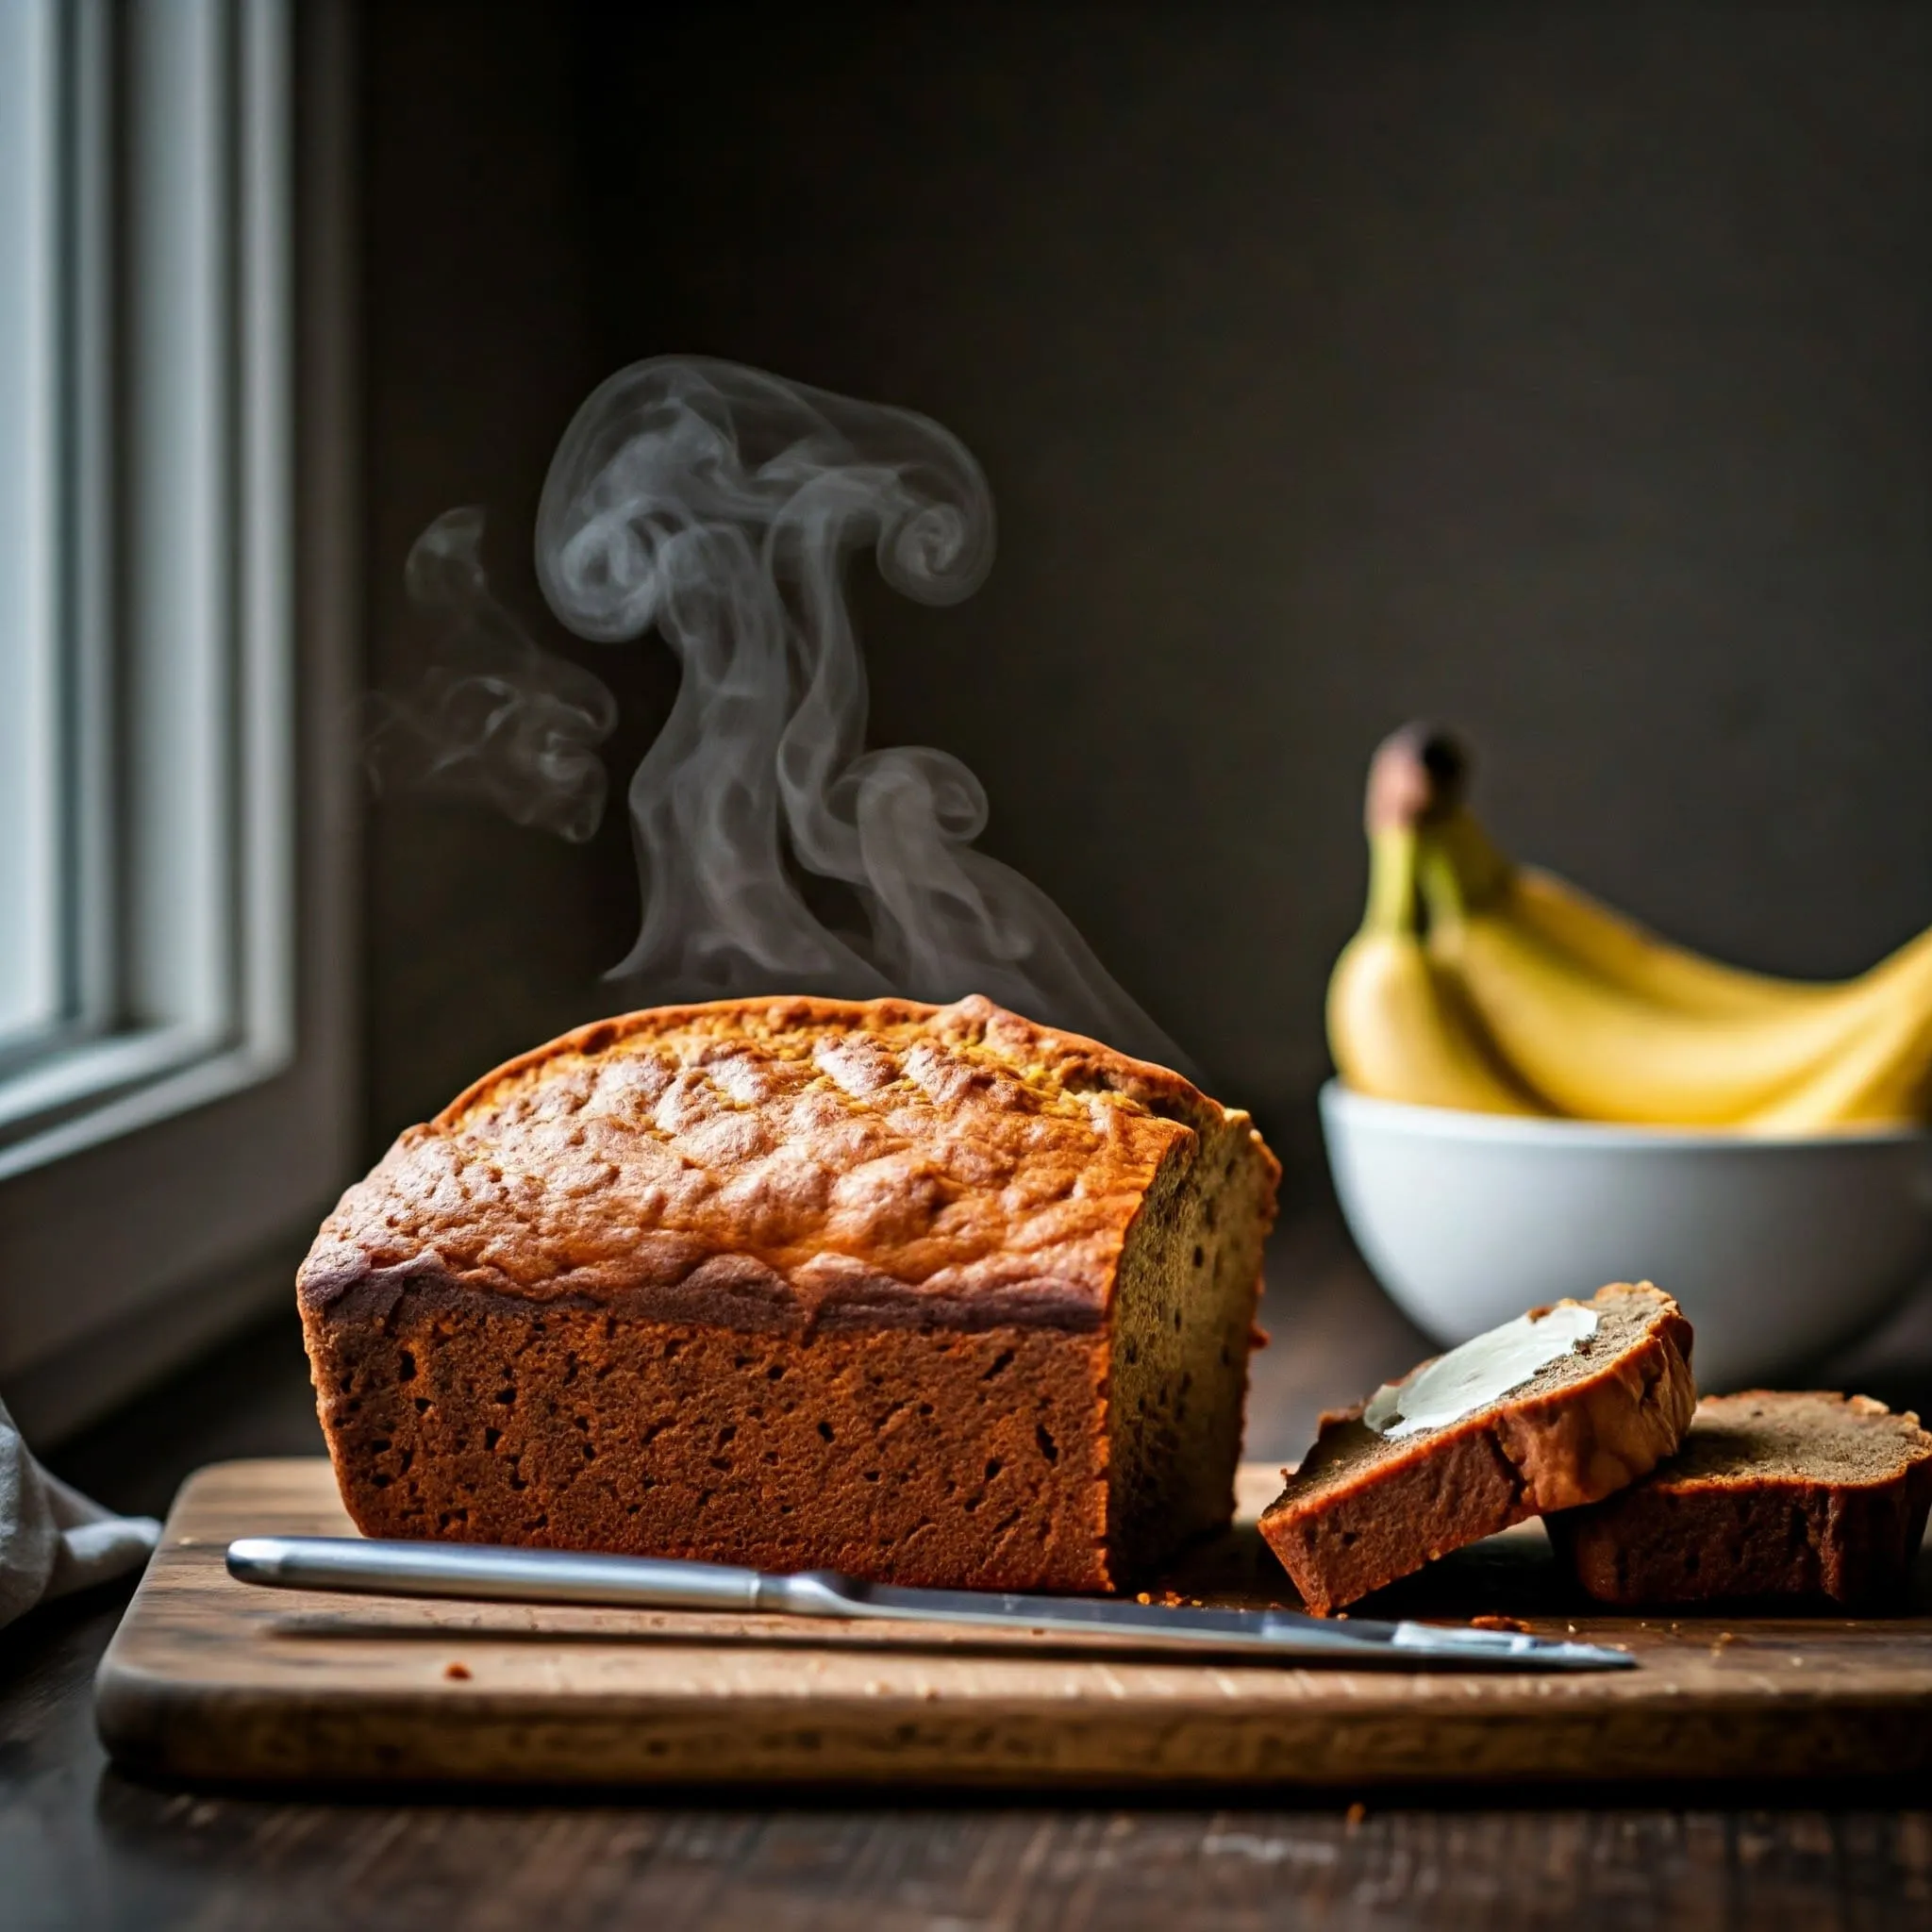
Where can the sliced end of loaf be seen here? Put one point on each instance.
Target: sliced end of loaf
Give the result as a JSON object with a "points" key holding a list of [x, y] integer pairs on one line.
{"points": [[1803, 1494], [1183, 1323]]}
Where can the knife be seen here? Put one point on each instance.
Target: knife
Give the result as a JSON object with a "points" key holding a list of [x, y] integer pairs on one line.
{"points": [[566, 1576]]}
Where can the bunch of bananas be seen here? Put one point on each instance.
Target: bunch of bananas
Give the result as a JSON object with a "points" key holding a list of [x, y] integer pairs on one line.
{"points": [[1480, 984]]}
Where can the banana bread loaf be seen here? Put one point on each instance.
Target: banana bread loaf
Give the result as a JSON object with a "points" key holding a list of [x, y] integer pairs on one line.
{"points": [[1559, 1407], [926, 1294], [1808, 1495]]}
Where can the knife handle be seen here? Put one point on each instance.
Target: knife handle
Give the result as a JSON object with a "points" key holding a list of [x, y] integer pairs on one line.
{"points": [[511, 1575]]}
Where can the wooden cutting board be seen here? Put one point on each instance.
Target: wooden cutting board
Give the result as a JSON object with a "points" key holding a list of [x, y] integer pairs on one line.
{"points": [[212, 1679]]}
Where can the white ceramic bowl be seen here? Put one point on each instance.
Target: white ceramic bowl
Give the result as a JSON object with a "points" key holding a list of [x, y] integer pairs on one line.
{"points": [[1779, 1251]]}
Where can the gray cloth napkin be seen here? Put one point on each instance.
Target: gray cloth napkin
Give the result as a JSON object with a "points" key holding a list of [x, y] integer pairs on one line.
{"points": [[53, 1540]]}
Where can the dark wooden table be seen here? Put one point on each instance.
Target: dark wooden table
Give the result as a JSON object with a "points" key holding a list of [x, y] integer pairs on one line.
{"points": [[81, 1846]]}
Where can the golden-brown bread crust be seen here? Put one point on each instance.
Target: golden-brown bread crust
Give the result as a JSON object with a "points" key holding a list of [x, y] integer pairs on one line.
{"points": [[779, 1163], [1364, 1509], [1773, 1494]]}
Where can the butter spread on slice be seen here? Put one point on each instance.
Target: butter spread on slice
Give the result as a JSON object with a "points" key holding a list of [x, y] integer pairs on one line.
{"points": [[1479, 1372]]}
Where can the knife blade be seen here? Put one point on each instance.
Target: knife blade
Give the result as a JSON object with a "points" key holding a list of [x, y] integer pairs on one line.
{"points": [[567, 1576]]}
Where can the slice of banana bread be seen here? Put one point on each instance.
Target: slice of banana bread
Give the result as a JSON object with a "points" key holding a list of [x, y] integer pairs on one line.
{"points": [[1558, 1409], [927, 1294], [1809, 1495]]}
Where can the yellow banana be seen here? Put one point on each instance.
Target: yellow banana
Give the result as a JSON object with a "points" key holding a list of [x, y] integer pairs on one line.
{"points": [[1657, 1037], [1882, 1078], [1600, 938], [1397, 1026], [1542, 999]]}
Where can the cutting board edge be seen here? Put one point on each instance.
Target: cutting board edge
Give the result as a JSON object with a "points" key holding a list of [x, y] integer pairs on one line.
{"points": [[165, 1732]]}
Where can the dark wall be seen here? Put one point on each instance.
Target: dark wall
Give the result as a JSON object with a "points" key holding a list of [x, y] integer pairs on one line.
{"points": [[1563, 373]]}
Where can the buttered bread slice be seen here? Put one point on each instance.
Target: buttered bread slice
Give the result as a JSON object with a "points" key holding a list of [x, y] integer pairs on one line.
{"points": [[1563, 1407]]}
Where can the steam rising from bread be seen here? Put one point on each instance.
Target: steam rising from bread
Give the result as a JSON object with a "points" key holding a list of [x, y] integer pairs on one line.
{"points": [[720, 505], [495, 716]]}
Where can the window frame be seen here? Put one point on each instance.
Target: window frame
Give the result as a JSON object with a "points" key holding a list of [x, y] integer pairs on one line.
{"points": [[210, 1104], [31, 398]]}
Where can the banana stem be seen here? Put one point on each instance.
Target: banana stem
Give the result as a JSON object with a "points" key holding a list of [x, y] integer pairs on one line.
{"points": [[1393, 907], [1421, 835], [1460, 870], [1416, 776]]}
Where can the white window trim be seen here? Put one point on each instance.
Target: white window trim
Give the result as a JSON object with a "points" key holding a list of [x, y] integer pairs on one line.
{"points": [[196, 1151], [29, 412]]}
